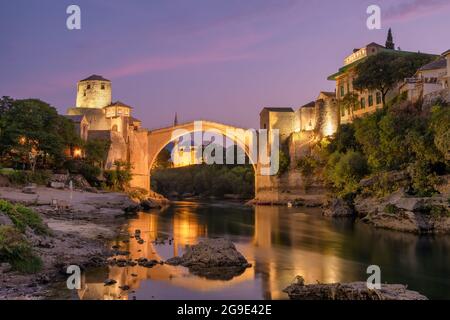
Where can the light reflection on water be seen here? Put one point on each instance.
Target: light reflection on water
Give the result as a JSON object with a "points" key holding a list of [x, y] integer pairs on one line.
{"points": [[280, 243]]}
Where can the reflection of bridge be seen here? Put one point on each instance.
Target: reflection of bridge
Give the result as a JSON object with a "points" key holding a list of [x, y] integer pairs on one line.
{"points": [[143, 153], [274, 264]]}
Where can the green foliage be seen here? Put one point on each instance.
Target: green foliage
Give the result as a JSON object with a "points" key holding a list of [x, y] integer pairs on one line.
{"points": [[16, 250], [119, 178], [163, 160], [423, 179], [307, 165], [32, 127], [350, 102], [20, 178], [343, 140], [96, 151], [89, 171], [344, 171], [384, 70], [23, 217], [391, 209], [205, 180], [284, 162], [440, 127]]}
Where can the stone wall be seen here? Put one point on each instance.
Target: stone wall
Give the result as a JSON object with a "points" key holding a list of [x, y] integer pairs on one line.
{"points": [[93, 94]]}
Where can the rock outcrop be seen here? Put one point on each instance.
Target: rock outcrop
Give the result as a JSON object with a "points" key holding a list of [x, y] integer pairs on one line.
{"points": [[401, 212], [212, 259], [338, 208], [350, 291]]}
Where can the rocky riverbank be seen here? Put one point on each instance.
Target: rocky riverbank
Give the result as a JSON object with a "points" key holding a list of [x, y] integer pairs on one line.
{"points": [[397, 210], [80, 224], [349, 291]]}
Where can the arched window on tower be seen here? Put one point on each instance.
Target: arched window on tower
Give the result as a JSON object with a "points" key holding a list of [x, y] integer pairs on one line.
{"points": [[115, 128]]}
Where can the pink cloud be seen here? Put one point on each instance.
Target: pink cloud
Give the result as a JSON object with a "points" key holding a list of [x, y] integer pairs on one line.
{"points": [[223, 49], [414, 8]]}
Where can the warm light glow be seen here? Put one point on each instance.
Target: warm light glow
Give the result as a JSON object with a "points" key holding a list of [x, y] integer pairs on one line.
{"points": [[77, 153], [22, 140]]}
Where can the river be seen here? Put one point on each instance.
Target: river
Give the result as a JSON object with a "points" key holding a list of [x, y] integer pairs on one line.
{"points": [[280, 243]]}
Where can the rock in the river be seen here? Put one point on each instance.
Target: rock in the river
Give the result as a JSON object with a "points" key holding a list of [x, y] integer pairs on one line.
{"points": [[148, 204], [212, 258], [350, 291], [338, 208]]}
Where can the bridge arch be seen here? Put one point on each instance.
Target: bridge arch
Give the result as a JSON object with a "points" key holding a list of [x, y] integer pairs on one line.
{"points": [[160, 138]]}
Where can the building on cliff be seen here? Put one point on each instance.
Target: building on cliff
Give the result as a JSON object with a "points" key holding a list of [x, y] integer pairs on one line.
{"points": [[430, 82], [96, 117], [369, 101]]}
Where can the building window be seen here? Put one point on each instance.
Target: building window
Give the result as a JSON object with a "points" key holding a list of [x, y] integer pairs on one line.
{"points": [[370, 100], [363, 103], [103, 86], [342, 91], [343, 112], [379, 99], [88, 86]]}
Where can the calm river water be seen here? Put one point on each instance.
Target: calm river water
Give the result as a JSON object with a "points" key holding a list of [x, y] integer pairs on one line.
{"points": [[280, 243]]}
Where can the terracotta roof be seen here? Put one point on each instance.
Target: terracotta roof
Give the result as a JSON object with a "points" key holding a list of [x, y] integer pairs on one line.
{"points": [[134, 119], [95, 77], [440, 63], [446, 52], [119, 103], [279, 109]]}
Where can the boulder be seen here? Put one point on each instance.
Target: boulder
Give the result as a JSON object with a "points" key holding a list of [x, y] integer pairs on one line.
{"points": [[62, 178], [213, 259], [350, 291], [80, 182], [30, 189], [57, 185], [5, 220], [338, 208], [148, 204]]}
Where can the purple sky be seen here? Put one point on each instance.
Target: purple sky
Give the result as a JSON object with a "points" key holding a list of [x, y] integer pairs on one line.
{"points": [[220, 60]]}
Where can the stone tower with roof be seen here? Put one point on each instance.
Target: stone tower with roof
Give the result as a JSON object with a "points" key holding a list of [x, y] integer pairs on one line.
{"points": [[100, 118], [94, 92]]}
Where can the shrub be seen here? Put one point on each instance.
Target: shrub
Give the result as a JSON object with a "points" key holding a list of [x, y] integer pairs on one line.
{"points": [[391, 209], [16, 250], [23, 217], [119, 178], [344, 171], [307, 165], [41, 177]]}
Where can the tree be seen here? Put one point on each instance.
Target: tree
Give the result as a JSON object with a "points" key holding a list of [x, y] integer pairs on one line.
{"points": [[33, 131], [350, 102], [383, 71], [390, 41], [162, 160], [96, 151]]}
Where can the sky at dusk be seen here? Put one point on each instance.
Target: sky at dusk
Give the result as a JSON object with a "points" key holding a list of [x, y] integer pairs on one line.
{"points": [[219, 60]]}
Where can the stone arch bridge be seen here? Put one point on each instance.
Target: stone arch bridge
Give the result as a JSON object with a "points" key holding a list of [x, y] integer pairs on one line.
{"points": [[145, 145]]}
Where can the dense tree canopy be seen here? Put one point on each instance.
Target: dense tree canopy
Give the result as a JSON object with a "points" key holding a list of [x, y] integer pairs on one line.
{"points": [[32, 130], [383, 71]]}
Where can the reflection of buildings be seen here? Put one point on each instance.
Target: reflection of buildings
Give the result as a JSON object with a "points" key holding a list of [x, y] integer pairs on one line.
{"points": [[186, 231], [185, 154]]}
